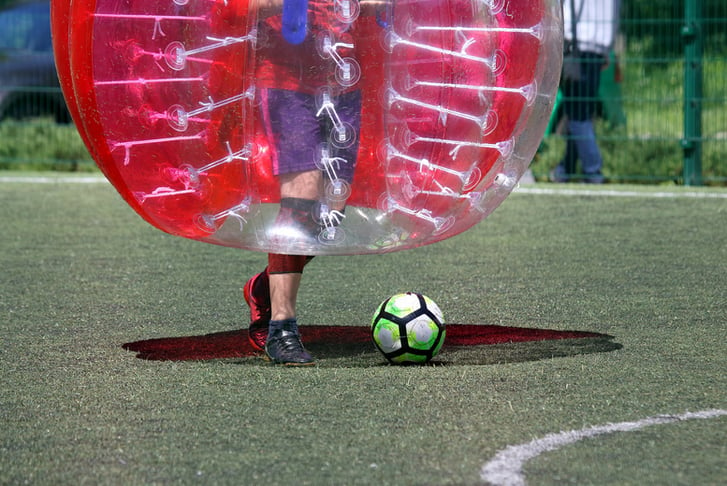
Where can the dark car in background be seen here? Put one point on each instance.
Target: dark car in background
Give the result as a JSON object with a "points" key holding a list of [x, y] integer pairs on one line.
{"points": [[29, 86]]}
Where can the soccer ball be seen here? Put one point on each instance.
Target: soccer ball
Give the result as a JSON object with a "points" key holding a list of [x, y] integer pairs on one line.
{"points": [[408, 328]]}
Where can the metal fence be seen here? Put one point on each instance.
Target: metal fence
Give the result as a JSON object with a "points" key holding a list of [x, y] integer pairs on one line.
{"points": [[662, 117], [663, 97]]}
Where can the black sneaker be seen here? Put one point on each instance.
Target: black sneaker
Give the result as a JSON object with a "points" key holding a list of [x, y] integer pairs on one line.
{"points": [[284, 347]]}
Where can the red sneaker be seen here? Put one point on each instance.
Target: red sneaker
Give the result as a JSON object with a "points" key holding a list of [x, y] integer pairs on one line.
{"points": [[257, 296]]}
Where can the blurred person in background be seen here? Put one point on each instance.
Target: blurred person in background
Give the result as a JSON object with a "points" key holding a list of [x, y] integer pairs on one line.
{"points": [[590, 28]]}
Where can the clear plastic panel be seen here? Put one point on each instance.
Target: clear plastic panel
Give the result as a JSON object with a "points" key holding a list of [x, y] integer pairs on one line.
{"points": [[315, 127]]}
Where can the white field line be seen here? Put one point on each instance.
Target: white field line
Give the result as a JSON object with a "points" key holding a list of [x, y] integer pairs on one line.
{"points": [[596, 192], [506, 467], [621, 193]]}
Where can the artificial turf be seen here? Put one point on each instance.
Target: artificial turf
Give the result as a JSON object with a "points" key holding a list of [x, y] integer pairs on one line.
{"points": [[82, 276]]}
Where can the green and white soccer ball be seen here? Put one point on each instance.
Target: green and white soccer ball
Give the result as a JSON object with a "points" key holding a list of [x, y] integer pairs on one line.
{"points": [[408, 328]]}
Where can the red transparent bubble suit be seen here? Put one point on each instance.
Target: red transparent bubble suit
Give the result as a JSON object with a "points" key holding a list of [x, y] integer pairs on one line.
{"points": [[381, 126]]}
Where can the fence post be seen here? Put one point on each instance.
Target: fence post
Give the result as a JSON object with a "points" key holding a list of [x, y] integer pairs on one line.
{"points": [[692, 138]]}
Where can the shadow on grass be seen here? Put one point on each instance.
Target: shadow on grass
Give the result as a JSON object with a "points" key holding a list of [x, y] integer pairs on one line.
{"points": [[466, 344]]}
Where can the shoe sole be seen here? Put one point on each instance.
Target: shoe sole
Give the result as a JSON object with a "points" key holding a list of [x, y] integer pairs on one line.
{"points": [[292, 365]]}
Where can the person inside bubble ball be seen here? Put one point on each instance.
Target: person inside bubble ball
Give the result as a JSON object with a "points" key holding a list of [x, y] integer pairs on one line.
{"points": [[310, 109]]}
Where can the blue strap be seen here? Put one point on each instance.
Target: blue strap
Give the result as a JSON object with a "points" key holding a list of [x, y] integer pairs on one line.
{"points": [[295, 20]]}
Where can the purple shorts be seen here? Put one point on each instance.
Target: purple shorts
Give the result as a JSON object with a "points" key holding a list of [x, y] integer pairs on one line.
{"points": [[297, 134]]}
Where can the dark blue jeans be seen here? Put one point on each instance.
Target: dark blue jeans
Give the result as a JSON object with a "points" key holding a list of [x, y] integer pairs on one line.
{"points": [[579, 105]]}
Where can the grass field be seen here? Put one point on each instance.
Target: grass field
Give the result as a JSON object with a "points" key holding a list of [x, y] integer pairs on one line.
{"points": [[644, 269]]}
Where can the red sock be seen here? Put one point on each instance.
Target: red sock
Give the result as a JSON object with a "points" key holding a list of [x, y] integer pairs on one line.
{"points": [[278, 263]]}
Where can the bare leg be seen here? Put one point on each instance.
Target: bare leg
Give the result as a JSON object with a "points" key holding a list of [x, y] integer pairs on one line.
{"points": [[284, 286], [283, 343], [284, 295], [303, 185]]}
